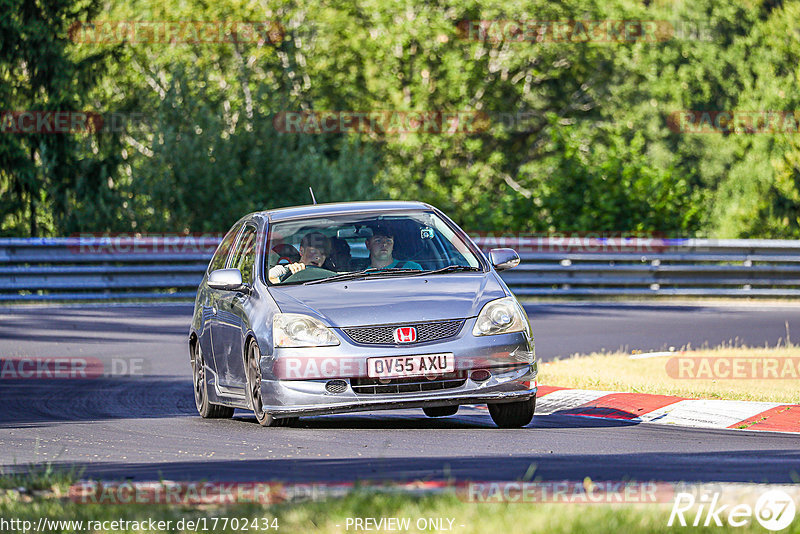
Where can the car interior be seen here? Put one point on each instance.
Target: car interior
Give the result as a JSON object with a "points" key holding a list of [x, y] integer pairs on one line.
{"points": [[413, 241]]}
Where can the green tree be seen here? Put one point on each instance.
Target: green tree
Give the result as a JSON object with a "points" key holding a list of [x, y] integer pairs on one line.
{"points": [[44, 176], [573, 136]]}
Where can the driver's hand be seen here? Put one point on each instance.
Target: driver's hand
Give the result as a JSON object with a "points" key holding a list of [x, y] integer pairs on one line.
{"points": [[296, 267], [279, 272]]}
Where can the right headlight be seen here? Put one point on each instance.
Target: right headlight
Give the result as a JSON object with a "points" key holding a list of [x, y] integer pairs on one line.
{"points": [[501, 316], [297, 330]]}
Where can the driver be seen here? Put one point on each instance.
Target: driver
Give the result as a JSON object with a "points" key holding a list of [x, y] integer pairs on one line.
{"points": [[314, 248], [381, 247]]}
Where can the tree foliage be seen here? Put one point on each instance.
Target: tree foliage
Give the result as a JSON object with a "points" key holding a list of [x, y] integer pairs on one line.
{"points": [[45, 177], [573, 136]]}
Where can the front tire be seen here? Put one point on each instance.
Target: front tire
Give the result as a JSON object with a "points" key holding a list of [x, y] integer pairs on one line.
{"points": [[254, 398], [441, 411], [513, 414], [206, 409]]}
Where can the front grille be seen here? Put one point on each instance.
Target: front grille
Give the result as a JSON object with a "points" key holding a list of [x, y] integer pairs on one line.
{"points": [[374, 386], [384, 334]]}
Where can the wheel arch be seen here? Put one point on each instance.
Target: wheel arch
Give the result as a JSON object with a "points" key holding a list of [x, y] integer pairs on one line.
{"points": [[249, 337]]}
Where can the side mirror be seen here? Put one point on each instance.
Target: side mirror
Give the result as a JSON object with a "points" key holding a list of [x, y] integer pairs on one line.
{"points": [[503, 258], [225, 279]]}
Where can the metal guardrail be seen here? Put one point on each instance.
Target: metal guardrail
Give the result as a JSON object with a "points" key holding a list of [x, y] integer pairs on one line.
{"points": [[98, 268]]}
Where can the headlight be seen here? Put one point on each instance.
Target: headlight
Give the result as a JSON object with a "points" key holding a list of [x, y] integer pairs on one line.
{"points": [[501, 316], [296, 330]]}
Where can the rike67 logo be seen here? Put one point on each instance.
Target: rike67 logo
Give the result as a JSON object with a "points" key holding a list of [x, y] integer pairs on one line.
{"points": [[774, 510]]}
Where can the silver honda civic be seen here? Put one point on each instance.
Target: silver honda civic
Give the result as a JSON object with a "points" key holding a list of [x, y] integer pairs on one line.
{"points": [[357, 306]]}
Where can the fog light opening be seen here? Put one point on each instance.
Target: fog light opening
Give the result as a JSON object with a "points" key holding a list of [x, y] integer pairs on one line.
{"points": [[480, 375], [336, 386]]}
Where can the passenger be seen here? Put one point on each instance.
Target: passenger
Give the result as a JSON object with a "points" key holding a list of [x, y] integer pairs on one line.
{"points": [[381, 247], [314, 248], [340, 258]]}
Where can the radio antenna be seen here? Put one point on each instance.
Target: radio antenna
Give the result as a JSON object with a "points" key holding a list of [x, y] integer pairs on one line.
{"points": [[314, 200]]}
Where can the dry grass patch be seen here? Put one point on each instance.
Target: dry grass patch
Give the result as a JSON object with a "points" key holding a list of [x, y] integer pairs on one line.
{"points": [[731, 373]]}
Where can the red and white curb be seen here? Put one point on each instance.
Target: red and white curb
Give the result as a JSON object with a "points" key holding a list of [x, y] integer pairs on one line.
{"points": [[669, 410]]}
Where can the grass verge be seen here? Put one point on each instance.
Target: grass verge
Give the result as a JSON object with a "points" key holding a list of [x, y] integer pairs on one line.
{"points": [[731, 373]]}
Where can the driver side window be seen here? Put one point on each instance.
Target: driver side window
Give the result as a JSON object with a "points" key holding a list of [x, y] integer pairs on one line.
{"points": [[218, 261], [245, 254]]}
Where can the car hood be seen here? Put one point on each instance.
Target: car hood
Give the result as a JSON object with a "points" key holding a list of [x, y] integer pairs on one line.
{"points": [[392, 300]]}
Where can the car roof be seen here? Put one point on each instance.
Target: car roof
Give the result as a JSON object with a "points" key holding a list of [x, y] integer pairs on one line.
{"points": [[339, 208]]}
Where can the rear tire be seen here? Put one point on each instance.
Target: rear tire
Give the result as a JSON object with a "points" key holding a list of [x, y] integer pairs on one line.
{"points": [[440, 411], [254, 398], [206, 409], [513, 414]]}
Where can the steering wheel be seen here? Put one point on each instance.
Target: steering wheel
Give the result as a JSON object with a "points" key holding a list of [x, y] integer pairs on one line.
{"points": [[311, 272]]}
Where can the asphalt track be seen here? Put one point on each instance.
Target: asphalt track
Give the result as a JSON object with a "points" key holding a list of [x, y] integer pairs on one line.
{"points": [[145, 427]]}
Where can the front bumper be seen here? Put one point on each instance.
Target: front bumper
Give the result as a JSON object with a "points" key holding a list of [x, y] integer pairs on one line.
{"points": [[293, 380], [287, 398]]}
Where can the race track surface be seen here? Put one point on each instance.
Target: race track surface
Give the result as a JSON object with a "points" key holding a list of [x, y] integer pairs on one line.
{"points": [[145, 426]]}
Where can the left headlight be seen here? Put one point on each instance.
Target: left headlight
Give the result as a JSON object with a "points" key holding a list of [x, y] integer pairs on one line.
{"points": [[501, 316], [297, 330]]}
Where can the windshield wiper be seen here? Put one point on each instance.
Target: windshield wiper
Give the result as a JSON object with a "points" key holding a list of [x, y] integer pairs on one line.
{"points": [[362, 274], [451, 269]]}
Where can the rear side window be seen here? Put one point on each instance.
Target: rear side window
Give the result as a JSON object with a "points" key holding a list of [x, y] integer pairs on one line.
{"points": [[218, 261]]}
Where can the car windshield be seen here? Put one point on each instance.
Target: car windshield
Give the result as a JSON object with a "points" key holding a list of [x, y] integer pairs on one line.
{"points": [[342, 247]]}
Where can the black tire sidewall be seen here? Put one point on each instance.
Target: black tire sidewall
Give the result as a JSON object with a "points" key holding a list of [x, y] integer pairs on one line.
{"points": [[513, 414], [203, 407], [252, 351]]}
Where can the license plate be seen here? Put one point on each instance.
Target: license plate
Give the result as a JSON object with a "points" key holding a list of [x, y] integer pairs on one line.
{"points": [[418, 365]]}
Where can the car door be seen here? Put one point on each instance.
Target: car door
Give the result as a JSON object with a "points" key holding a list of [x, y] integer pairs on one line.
{"points": [[228, 330], [210, 297]]}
